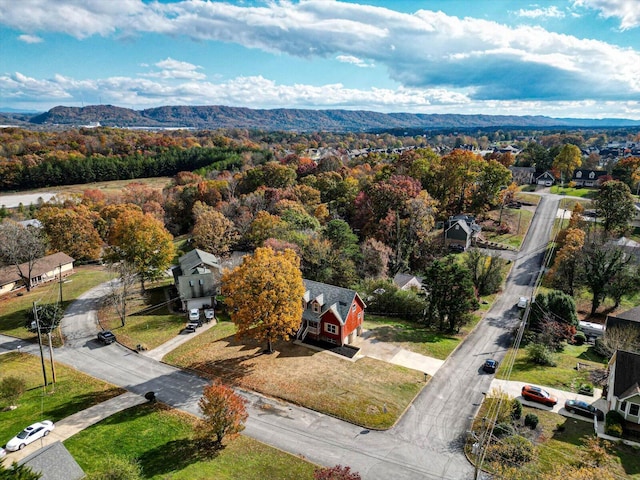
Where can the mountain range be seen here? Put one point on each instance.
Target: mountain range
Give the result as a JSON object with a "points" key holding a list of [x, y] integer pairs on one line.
{"points": [[285, 119]]}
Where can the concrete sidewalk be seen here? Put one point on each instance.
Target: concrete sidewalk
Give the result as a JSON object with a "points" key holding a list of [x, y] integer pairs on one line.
{"points": [[387, 352], [158, 353], [71, 425]]}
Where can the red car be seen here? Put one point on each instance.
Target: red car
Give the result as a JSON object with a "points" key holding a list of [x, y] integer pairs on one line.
{"points": [[536, 394]]}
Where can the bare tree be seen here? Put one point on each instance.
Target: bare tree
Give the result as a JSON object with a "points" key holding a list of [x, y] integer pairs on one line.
{"points": [[619, 337], [22, 247], [120, 288]]}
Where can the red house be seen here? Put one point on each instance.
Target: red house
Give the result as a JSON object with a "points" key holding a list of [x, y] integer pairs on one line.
{"points": [[331, 314]]}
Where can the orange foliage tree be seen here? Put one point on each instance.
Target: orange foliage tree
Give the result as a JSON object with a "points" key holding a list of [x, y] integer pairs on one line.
{"points": [[223, 412], [264, 295]]}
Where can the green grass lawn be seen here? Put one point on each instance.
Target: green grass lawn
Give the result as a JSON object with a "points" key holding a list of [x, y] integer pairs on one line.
{"points": [[14, 306], [574, 192], [160, 439], [411, 335], [72, 392], [563, 376], [368, 392], [151, 322]]}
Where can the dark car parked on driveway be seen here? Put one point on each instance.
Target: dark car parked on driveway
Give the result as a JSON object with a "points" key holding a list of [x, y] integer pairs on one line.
{"points": [[583, 408], [106, 337], [536, 394]]}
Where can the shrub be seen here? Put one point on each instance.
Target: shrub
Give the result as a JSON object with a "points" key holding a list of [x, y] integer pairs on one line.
{"points": [[540, 355], [516, 409], [512, 450], [531, 420], [579, 338], [11, 388], [118, 467], [613, 429], [504, 429], [613, 423], [335, 473], [586, 389]]}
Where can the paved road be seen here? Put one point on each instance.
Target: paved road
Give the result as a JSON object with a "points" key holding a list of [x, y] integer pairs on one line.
{"points": [[425, 444]]}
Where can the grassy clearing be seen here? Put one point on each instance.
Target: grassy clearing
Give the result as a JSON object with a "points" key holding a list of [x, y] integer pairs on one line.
{"points": [[517, 221], [161, 440], [367, 392], [72, 392], [14, 306], [564, 375], [111, 187], [410, 335], [574, 192], [152, 326]]}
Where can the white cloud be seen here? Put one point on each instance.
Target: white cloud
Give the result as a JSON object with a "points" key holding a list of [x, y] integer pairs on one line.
{"points": [[549, 12], [425, 50], [175, 69], [30, 39], [358, 62], [628, 11]]}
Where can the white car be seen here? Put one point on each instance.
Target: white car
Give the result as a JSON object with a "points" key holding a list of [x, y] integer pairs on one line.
{"points": [[29, 434], [194, 314], [522, 302], [209, 314]]}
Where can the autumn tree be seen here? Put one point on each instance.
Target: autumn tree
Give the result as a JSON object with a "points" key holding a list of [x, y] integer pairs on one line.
{"points": [[569, 158], [565, 266], [554, 316], [21, 247], [223, 413], [615, 205], [450, 294], [141, 240], [213, 232], [618, 337], [72, 231], [264, 295], [374, 258]]}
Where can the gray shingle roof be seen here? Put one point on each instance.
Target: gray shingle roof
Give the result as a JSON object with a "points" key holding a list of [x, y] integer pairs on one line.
{"points": [[330, 297], [196, 258], [627, 374], [54, 462], [41, 266]]}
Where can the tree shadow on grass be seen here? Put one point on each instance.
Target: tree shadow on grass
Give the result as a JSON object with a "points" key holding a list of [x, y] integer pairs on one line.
{"points": [[77, 403], [175, 455], [231, 370]]}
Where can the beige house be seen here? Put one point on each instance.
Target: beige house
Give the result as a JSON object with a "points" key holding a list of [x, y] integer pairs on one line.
{"points": [[44, 270]]}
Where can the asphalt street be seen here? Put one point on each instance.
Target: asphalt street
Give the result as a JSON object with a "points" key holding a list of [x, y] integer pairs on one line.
{"points": [[425, 444]]}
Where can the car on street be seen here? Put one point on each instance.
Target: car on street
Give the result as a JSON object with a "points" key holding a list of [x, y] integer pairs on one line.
{"points": [[29, 434], [490, 365], [537, 394], [209, 314], [106, 337], [194, 314], [579, 407], [522, 302]]}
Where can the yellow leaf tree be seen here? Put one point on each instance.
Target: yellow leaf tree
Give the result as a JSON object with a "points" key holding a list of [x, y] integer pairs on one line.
{"points": [[264, 295], [141, 239]]}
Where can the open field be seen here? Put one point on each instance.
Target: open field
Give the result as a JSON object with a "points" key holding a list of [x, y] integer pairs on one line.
{"points": [[14, 305], [161, 440], [111, 187], [367, 392], [72, 392]]}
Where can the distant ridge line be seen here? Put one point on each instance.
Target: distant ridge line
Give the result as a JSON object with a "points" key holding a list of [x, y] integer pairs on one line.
{"points": [[289, 119]]}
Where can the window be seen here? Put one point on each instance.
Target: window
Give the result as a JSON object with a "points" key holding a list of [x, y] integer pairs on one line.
{"points": [[353, 307], [316, 307], [634, 409], [623, 407], [329, 328], [360, 315]]}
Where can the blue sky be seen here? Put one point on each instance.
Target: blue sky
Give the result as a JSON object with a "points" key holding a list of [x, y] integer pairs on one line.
{"points": [[564, 58]]}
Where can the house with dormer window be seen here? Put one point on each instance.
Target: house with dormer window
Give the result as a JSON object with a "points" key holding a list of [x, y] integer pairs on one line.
{"points": [[331, 314], [587, 178]]}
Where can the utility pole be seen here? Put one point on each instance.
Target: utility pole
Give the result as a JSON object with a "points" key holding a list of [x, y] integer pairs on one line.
{"points": [[44, 371], [60, 275]]}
